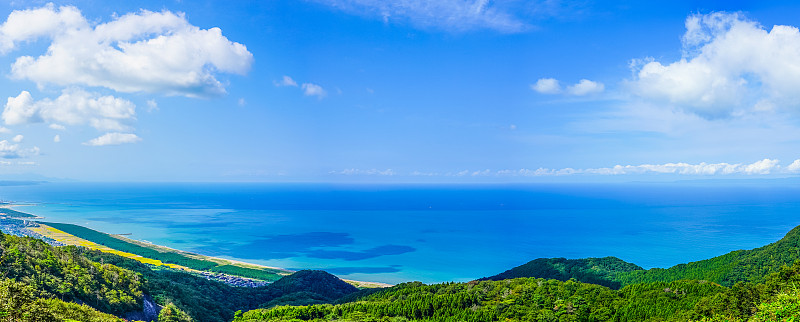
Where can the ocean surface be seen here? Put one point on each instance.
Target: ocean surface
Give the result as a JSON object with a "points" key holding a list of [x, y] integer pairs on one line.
{"points": [[430, 233]]}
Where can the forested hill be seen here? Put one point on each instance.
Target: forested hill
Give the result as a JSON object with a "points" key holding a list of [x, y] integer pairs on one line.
{"points": [[742, 265], [601, 271], [39, 282], [44, 283], [752, 285], [531, 299]]}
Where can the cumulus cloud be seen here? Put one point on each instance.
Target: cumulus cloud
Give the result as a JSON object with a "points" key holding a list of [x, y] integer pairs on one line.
{"points": [[18, 138], [57, 138], [585, 87], [581, 88], [73, 107], [155, 52], [450, 15], [114, 138], [10, 150], [794, 167], [310, 89], [730, 65], [547, 86]]}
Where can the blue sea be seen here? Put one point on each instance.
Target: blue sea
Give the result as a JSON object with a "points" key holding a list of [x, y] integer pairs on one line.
{"points": [[432, 233]]}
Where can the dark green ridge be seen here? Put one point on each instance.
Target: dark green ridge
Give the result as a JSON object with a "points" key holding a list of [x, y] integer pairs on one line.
{"points": [[600, 271], [738, 266], [752, 265]]}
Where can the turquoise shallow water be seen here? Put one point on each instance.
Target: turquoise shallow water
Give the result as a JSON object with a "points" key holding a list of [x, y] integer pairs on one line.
{"points": [[432, 233]]}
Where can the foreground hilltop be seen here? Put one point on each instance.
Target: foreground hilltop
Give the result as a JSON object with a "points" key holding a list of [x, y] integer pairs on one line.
{"points": [[40, 282]]}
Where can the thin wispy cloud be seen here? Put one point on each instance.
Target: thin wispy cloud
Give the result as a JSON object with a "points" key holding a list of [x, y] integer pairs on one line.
{"points": [[285, 81], [449, 15], [552, 86], [761, 167], [114, 138], [364, 172], [311, 89]]}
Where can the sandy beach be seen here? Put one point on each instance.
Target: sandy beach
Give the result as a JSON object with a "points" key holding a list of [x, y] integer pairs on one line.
{"points": [[69, 239]]}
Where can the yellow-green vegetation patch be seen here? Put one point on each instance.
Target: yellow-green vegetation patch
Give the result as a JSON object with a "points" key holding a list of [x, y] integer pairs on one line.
{"points": [[68, 239], [167, 255]]}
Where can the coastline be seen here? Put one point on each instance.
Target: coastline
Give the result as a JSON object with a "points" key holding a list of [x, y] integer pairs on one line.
{"points": [[65, 238]]}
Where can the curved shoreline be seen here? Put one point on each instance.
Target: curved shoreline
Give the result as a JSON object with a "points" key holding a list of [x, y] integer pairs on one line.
{"points": [[70, 239]]}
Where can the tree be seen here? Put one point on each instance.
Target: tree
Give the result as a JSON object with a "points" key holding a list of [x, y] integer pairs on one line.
{"points": [[171, 313]]}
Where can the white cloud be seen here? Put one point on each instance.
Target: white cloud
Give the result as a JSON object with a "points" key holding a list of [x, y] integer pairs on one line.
{"points": [[55, 126], [794, 167], [286, 81], [451, 15], [241, 102], [23, 25], [114, 138], [585, 87], [581, 88], [156, 52], [762, 167], [9, 150], [152, 105], [4, 129], [368, 172], [730, 65], [73, 107], [18, 138], [310, 89], [547, 86], [57, 138]]}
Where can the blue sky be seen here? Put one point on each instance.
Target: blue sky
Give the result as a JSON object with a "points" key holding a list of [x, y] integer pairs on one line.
{"points": [[409, 91]]}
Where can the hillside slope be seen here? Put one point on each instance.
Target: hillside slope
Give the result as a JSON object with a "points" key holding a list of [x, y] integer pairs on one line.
{"points": [[753, 265], [600, 271], [738, 266]]}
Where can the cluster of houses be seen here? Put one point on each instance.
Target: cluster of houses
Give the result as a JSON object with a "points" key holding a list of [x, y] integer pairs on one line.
{"points": [[19, 227]]}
